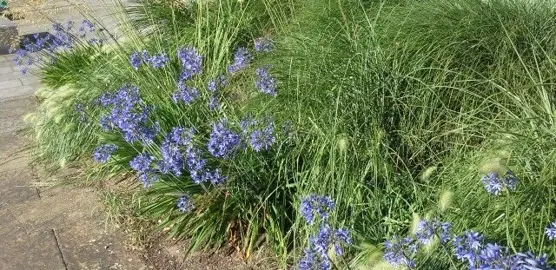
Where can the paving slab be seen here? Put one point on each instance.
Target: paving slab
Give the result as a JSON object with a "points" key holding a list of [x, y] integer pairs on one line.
{"points": [[52, 227], [36, 250]]}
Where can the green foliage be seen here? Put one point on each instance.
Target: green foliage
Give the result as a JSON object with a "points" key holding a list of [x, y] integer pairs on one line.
{"points": [[393, 104]]}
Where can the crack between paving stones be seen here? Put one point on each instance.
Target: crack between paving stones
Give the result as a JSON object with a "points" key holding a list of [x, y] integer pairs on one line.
{"points": [[55, 235]]}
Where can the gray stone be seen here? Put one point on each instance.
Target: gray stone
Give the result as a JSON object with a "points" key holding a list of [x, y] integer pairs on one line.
{"points": [[8, 33]]}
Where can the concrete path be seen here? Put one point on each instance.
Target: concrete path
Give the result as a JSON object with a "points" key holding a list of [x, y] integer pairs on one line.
{"points": [[45, 227]]}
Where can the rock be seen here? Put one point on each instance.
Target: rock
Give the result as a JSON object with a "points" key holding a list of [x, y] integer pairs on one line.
{"points": [[8, 33]]}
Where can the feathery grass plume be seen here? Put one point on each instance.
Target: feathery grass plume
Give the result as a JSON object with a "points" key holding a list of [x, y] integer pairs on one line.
{"points": [[343, 143], [415, 220], [428, 173], [445, 200], [493, 165]]}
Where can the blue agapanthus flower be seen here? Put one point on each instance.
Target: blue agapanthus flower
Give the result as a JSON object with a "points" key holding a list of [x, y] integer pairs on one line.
{"points": [[142, 164], [529, 261], [103, 153], [185, 204], [86, 27], [136, 60], [551, 231], [427, 230], [315, 205], [310, 261], [214, 177], [223, 141], [493, 183], [265, 82], [215, 84], [316, 254], [468, 247], [493, 256], [173, 160], [192, 62], [129, 114], [242, 58], [185, 94], [196, 164], [159, 60], [247, 123], [61, 38], [182, 136], [401, 251], [478, 255], [263, 139]]}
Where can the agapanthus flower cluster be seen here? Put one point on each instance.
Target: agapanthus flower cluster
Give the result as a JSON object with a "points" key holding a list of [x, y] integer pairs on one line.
{"points": [[62, 37], [551, 231], [185, 204], [196, 164], [192, 62], [143, 165], [264, 44], [247, 123], [263, 139], [215, 84], [173, 159], [128, 114], [242, 58], [469, 248], [495, 185], [103, 153], [223, 141], [86, 27], [260, 135], [316, 205], [137, 59], [186, 94], [265, 82], [401, 251], [159, 60], [316, 254], [199, 171], [427, 230]]}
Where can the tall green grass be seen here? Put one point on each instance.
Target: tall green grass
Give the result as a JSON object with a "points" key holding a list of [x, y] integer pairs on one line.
{"points": [[394, 105]]}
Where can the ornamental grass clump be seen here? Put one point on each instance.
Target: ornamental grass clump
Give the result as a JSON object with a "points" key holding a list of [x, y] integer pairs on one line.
{"points": [[348, 98]]}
